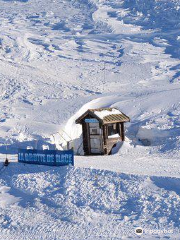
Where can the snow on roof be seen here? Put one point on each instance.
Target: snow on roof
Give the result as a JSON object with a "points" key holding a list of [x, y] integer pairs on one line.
{"points": [[102, 113], [106, 115]]}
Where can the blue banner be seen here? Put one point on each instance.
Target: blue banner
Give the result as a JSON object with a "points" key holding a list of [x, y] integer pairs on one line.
{"points": [[46, 157], [91, 120]]}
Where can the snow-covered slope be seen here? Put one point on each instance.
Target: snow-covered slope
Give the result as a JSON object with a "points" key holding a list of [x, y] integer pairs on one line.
{"points": [[59, 58], [56, 56], [76, 203]]}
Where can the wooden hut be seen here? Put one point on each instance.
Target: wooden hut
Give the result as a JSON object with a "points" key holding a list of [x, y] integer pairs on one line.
{"points": [[102, 129]]}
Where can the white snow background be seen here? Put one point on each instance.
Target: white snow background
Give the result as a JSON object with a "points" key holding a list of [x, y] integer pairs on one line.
{"points": [[57, 59]]}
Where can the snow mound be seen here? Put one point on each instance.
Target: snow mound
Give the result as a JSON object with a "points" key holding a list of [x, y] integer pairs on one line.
{"points": [[154, 117], [6, 199]]}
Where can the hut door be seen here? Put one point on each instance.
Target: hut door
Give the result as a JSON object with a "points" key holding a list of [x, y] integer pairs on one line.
{"points": [[95, 138]]}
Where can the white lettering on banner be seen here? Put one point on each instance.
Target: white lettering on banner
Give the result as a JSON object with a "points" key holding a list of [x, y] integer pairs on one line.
{"points": [[21, 156], [40, 157], [28, 157], [50, 158], [32, 157], [65, 158], [58, 158], [62, 158]]}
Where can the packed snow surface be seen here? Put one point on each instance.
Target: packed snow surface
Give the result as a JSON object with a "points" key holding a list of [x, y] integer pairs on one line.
{"points": [[57, 60], [84, 203]]}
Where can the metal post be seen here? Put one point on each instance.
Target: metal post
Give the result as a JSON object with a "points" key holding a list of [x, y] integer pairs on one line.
{"points": [[54, 141], [36, 145], [68, 143], [6, 150]]}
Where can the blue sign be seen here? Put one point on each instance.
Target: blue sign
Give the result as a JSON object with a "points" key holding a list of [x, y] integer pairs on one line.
{"points": [[46, 157], [91, 120]]}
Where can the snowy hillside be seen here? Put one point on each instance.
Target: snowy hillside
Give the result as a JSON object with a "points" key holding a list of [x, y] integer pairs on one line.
{"points": [[59, 55], [57, 59]]}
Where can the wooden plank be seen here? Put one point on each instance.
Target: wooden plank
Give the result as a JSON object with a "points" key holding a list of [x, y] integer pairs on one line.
{"points": [[122, 132], [94, 125], [105, 135], [88, 139]]}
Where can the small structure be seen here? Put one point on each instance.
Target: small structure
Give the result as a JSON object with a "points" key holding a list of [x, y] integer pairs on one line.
{"points": [[102, 129]]}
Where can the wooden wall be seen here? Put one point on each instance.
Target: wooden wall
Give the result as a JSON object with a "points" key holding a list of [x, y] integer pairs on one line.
{"points": [[107, 143], [86, 138]]}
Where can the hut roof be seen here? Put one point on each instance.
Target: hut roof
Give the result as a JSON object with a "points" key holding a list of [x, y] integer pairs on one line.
{"points": [[105, 115]]}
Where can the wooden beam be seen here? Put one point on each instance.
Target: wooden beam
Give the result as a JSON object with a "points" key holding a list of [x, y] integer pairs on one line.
{"points": [[88, 139], [105, 138], [122, 132], [118, 125]]}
